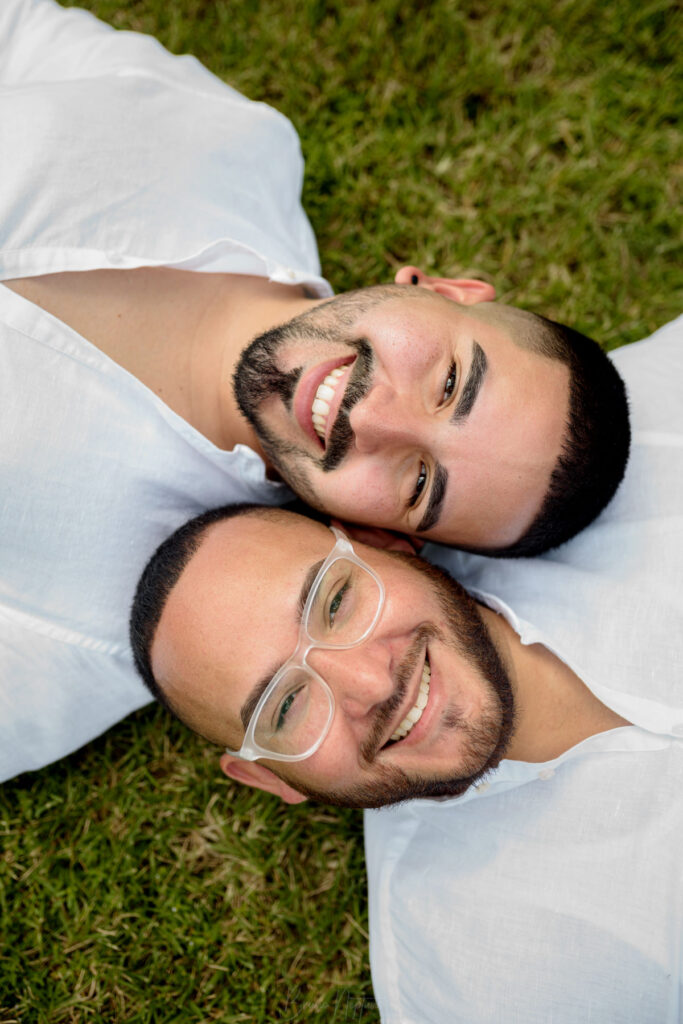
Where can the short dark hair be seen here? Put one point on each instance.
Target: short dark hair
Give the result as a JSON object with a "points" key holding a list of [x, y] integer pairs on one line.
{"points": [[158, 579], [595, 450]]}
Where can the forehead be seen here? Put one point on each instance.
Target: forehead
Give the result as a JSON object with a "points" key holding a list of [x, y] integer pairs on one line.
{"points": [[233, 610], [246, 564]]}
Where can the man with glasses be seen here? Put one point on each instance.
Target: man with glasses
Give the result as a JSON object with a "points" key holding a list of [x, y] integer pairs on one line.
{"points": [[547, 884], [357, 641]]}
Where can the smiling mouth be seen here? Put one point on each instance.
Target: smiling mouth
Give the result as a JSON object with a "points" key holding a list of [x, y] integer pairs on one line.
{"points": [[415, 714], [324, 396]]}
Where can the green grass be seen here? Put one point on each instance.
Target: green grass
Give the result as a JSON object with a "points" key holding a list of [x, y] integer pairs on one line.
{"points": [[138, 885], [533, 145]]}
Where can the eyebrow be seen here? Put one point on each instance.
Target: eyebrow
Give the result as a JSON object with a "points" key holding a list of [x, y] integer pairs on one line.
{"points": [[475, 379], [257, 691]]}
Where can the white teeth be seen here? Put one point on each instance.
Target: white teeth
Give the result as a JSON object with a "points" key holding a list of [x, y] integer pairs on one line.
{"points": [[320, 409], [415, 713]]}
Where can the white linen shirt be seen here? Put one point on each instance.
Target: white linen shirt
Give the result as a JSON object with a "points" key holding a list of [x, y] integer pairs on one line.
{"points": [[554, 892], [113, 153]]}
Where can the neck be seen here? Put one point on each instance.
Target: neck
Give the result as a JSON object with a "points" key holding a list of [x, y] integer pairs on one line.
{"points": [[244, 307], [554, 709]]}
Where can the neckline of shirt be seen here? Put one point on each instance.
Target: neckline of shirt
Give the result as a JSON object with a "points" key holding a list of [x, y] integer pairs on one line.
{"points": [[46, 329]]}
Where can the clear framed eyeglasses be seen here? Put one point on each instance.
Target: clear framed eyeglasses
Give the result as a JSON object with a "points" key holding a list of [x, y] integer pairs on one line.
{"points": [[295, 711]]}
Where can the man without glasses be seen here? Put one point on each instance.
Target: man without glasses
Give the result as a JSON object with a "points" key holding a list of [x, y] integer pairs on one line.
{"points": [[152, 231], [462, 420]]}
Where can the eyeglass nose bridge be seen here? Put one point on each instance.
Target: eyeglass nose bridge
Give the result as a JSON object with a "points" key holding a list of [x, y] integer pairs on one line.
{"points": [[314, 645], [307, 643], [300, 660]]}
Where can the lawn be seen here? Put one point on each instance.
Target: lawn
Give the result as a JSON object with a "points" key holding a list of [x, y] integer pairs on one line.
{"points": [[535, 146]]}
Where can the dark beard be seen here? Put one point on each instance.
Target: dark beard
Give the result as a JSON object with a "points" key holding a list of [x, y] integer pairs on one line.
{"points": [[257, 377], [486, 740]]}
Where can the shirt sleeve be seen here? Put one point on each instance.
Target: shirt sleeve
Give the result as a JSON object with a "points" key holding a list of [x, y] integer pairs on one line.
{"points": [[40, 41], [56, 696]]}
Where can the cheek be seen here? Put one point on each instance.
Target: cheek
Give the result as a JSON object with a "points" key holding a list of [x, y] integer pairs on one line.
{"points": [[334, 765], [363, 492]]}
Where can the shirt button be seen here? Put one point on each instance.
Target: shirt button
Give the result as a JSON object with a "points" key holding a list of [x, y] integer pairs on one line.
{"points": [[546, 773], [291, 274], [482, 787]]}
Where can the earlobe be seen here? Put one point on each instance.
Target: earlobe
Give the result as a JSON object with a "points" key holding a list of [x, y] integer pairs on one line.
{"points": [[465, 290], [250, 773]]}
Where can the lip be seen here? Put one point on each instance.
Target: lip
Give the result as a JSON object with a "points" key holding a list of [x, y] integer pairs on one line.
{"points": [[306, 390], [422, 727]]}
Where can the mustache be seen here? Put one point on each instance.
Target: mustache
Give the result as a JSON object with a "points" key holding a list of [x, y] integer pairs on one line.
{"points": [[341, 435], [257, 377], [403, 674]]}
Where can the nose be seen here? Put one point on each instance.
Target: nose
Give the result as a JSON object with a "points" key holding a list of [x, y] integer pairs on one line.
{"points": [[360, 678], [384, 419]]}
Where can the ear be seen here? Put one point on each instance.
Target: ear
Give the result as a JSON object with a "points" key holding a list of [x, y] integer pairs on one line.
{"points": [[465, 290], [375, 537], [250, 773]]}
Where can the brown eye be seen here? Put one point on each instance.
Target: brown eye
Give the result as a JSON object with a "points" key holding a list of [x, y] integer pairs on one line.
{"points": [[451, 381], [419, 485]]}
